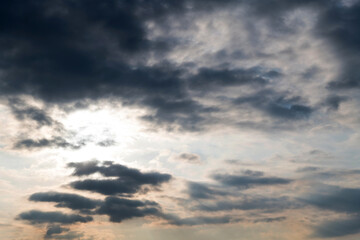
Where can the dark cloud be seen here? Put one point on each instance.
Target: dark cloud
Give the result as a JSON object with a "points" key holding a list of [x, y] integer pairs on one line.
{"points": [[120, 209], [110, 169], [336, 199], [84, 168], [338, 228], [339, 25], [39, 217], [72, 201], [249, 179], [128, 181], [54, 142], [189, 158], [107, 186], [63, 52], [66, 52]]}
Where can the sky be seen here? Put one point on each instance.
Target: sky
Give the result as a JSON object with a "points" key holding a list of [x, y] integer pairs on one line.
{"points": [[187, 119]]}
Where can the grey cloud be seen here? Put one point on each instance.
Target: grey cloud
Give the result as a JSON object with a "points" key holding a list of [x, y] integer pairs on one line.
{"points": [[55, 229], [186, 113], [204, 191], [317, 173], [338, 173], [204, 220], [233, 161], [22, 112], [277, 105], [56, 141], [222, 197], [213, 196], [307, 169], [39, 217], [273, 12], [106, 143], [290, 111], [189, 158], [201, 220], [212, 78], [268, 220], [248, 180], [252, 173], [70, 235], [129, 181], [333, 101], [27, 113], [311, 73], [250, 203]]}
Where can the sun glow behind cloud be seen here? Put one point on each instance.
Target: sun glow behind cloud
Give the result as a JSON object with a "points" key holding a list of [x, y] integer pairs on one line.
{"points": [[104, 128]]}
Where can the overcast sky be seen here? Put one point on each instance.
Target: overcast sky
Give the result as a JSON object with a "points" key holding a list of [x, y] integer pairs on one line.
{"points": [[187, 119]]}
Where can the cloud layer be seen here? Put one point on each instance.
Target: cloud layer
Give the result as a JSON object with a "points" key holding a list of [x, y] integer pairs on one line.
{"points": [[186, 84]]}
